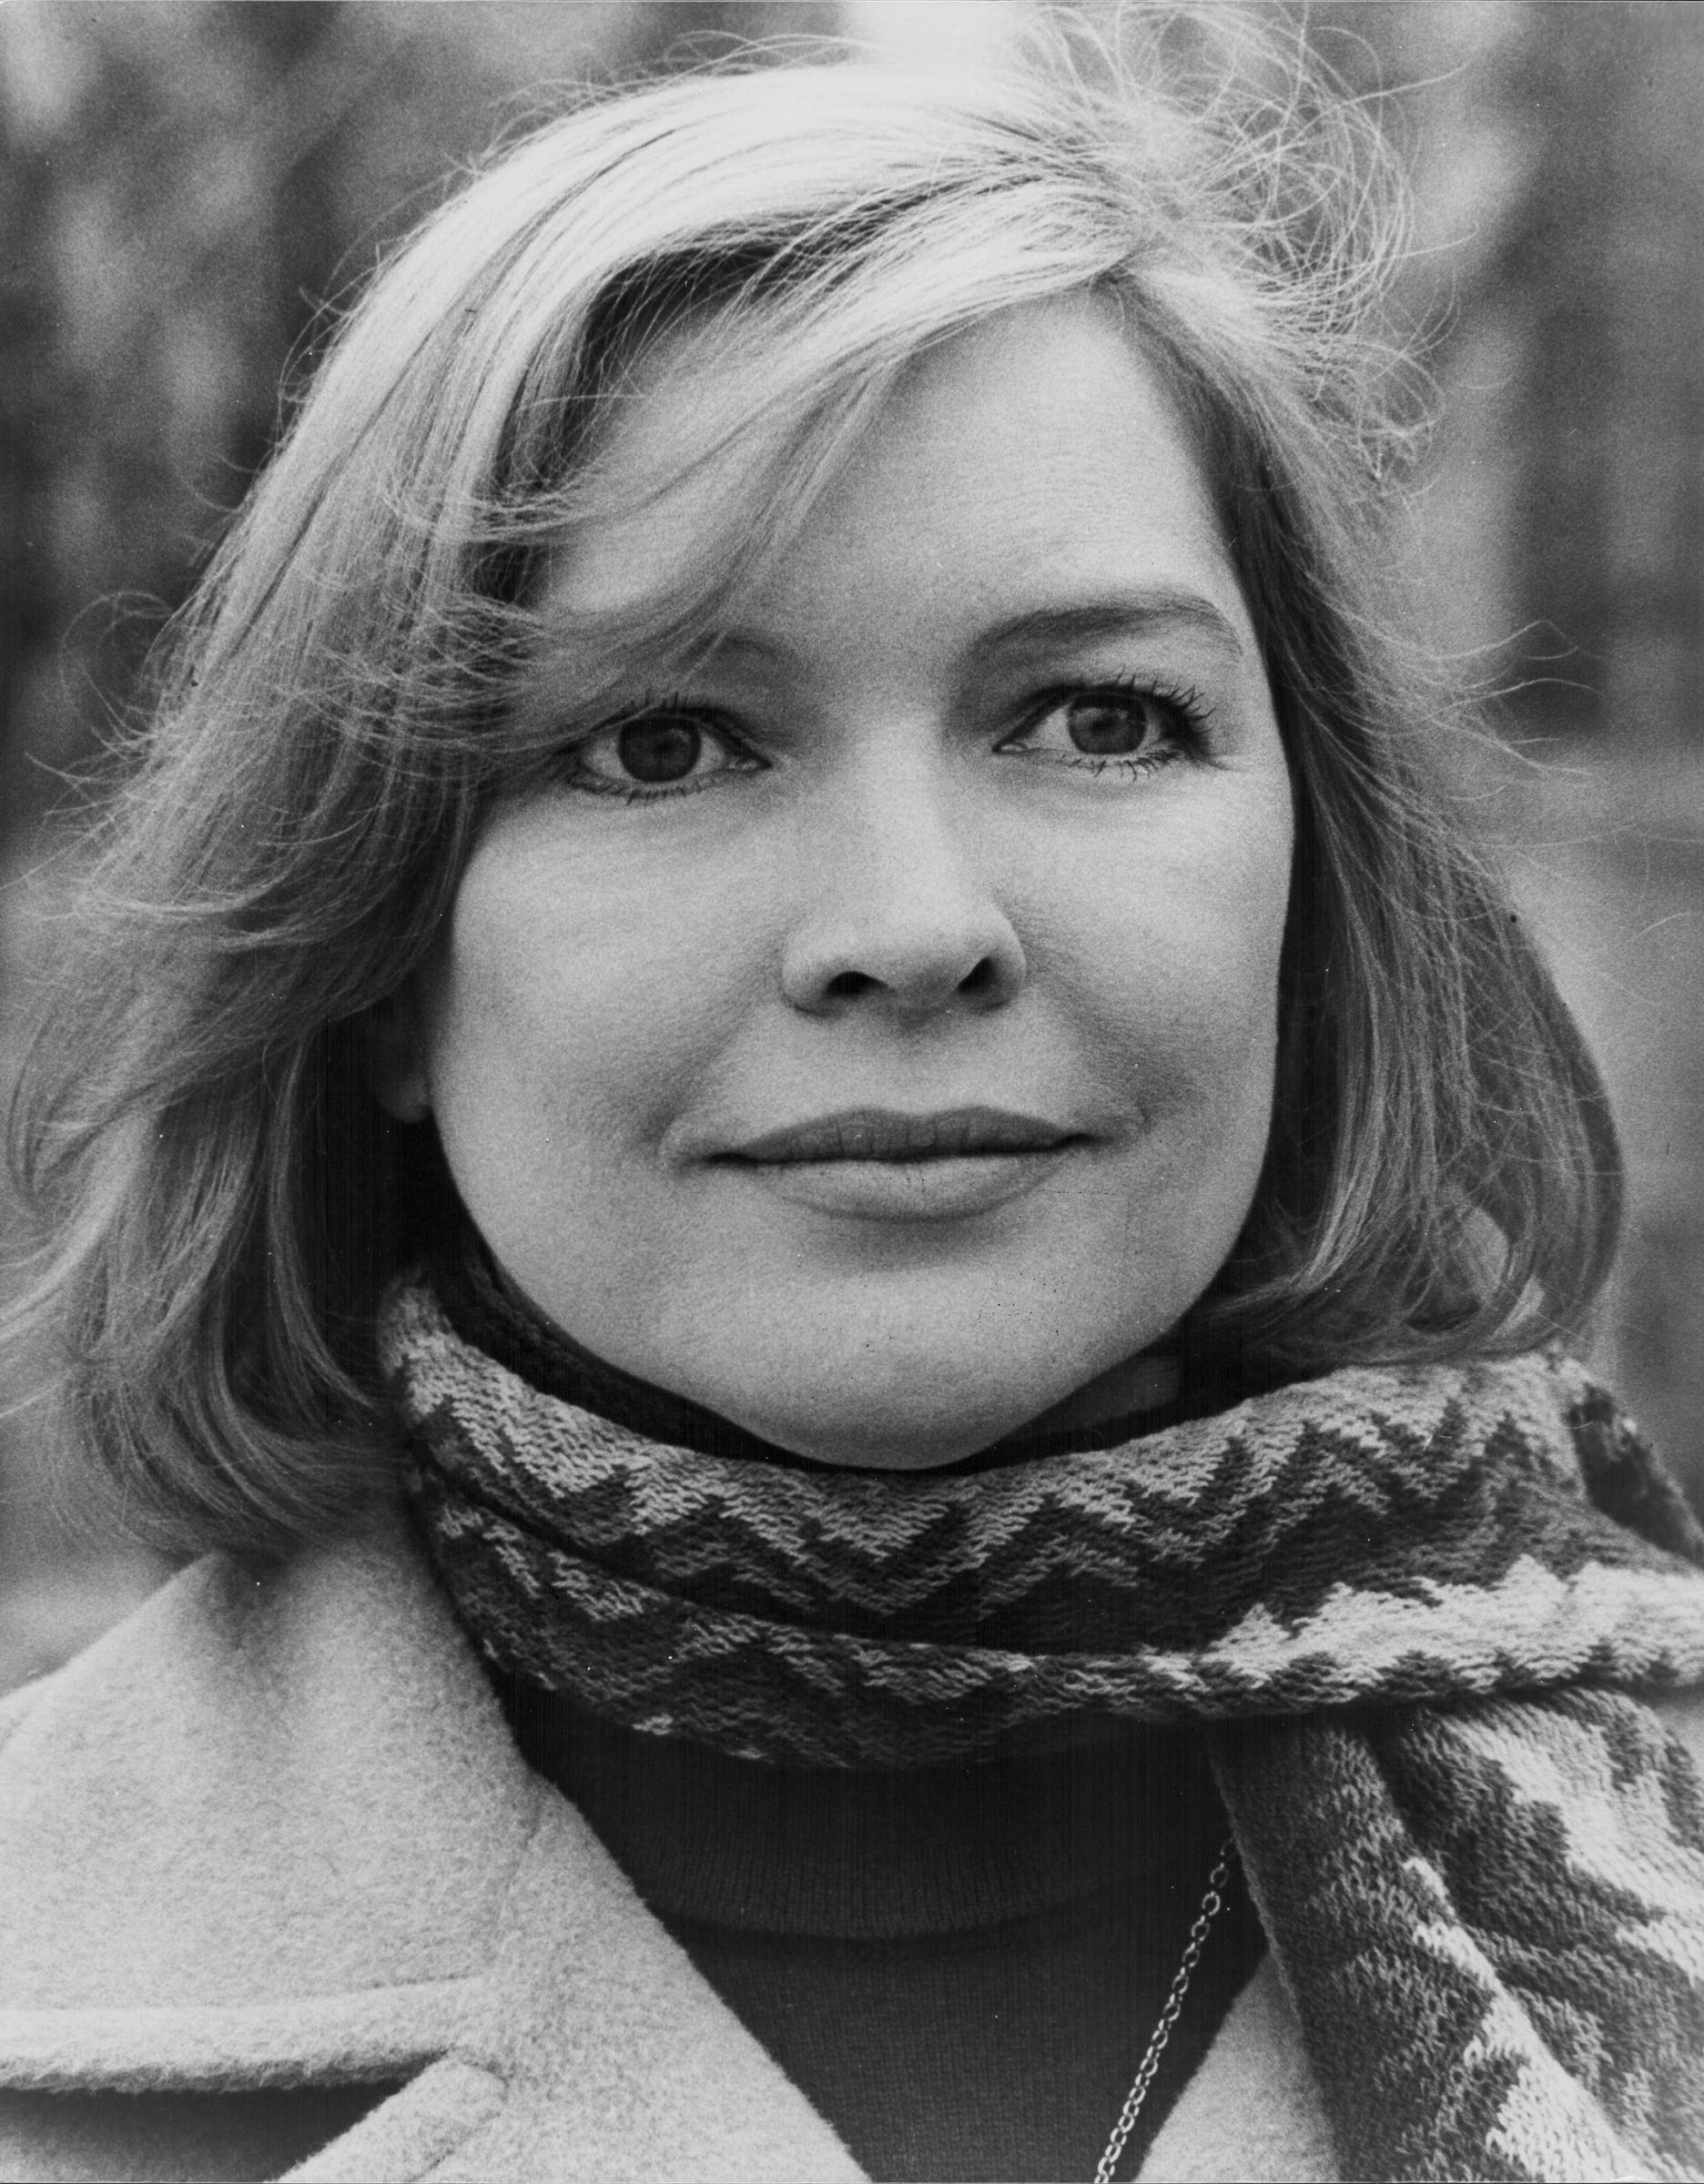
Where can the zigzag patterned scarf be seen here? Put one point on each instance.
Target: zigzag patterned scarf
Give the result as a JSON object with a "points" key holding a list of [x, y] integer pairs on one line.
{"points": [[1410, 1605]]}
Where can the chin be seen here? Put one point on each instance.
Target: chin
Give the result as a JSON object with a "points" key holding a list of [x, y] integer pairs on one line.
{"points": [[860, 1430], [917, 1452]]}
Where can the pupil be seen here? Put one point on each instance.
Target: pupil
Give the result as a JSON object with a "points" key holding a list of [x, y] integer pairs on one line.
{"points": [[665, 750], [1106, 731]]}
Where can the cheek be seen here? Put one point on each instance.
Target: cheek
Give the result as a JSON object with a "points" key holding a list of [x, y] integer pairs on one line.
{"points": [[569, 1006], [1180, 954]]}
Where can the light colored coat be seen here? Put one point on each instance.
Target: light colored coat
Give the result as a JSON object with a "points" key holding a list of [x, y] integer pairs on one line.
{"points": [[272, 1831]]}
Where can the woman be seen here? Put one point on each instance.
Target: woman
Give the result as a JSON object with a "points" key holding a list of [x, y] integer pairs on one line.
{"points": [[786, 926]]}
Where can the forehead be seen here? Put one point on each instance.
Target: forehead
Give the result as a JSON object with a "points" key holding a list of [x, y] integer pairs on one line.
{"points": [[1038, 451]]}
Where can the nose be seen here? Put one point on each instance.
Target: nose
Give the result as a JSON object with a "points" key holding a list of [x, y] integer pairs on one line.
{"points": [[897, 910]]}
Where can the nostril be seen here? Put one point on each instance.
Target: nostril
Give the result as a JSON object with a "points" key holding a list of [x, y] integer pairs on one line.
{"points": [[981, 978], [912, 953], [850, 985], [980, 982]]}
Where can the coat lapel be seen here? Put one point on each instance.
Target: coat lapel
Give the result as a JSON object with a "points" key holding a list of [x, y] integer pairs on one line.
{"points": [[1251, 2110]]}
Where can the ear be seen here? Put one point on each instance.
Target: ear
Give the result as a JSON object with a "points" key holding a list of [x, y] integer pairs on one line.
{"points": [[395, 1052]]}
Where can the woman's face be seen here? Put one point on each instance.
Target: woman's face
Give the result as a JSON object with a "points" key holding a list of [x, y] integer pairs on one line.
{"points": [[871, 1034]]}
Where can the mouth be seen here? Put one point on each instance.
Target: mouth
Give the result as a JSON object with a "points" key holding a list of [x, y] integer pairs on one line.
{"points": [[880, 1165], [885, 1134]]}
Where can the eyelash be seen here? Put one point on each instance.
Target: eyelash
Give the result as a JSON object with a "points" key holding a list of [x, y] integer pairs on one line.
{"points": [[652, 705], [1193, 715]]}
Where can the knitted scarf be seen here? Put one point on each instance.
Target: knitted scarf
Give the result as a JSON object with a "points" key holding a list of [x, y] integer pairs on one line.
{"points": [[1410, 1605]]}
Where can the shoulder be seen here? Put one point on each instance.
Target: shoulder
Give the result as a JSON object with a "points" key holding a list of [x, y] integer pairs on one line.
{"points": [[118, 1694], [305, 1754], [16, 1706], [197, 1680]]}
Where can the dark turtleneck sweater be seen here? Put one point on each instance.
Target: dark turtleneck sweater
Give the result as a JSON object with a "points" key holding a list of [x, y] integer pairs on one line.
{"points": [[960, 1965]]}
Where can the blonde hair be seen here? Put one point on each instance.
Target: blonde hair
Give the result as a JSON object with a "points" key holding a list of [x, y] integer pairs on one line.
{"points": [[335, 717]]}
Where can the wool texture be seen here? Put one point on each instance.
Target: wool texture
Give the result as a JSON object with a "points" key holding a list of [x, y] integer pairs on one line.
{"points": [[1412, 1605]]}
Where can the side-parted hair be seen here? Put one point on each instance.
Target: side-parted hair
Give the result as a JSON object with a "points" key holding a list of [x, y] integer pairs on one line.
{"points": [[336, 714]]}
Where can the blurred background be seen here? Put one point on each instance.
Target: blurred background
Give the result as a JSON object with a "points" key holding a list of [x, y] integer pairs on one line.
{"points": [[185, 184]]}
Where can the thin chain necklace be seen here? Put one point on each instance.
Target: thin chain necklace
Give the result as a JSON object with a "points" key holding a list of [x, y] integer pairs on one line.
{"points": [[1211, 1904]]}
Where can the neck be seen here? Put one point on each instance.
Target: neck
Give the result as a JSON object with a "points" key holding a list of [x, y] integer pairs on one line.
{"points": [[1148, 1382]]}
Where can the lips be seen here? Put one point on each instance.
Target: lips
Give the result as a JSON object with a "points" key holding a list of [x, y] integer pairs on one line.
{"points": [[885, 1134]]}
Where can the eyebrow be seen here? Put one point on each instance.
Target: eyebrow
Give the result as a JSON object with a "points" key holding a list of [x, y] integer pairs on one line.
{"points": [[1040, 628], [1118, 614]]}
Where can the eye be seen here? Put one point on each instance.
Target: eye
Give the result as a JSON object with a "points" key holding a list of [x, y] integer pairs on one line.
{"points": [[1113, 723], [662, 749]]}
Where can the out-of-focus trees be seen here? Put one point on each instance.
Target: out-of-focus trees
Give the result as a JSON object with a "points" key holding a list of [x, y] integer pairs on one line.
{"points": [[1558, 157], [1562, 171], [1600, 269]]}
